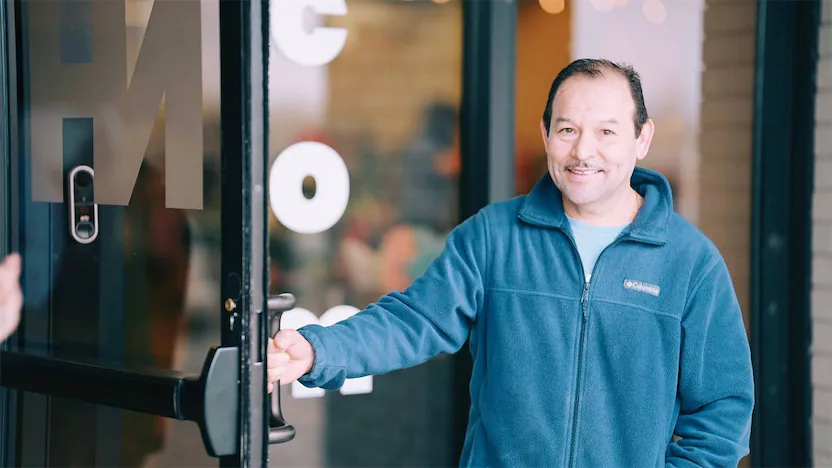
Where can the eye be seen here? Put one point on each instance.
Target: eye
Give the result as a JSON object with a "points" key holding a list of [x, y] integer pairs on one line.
{"points": [[567, 130], [607, 132]]}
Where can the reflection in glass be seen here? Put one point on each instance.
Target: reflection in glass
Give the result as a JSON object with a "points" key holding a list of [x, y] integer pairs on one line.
{"points": [[144, 294], [388, 104]]}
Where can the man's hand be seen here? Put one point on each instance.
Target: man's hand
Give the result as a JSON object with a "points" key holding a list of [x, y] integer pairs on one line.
{"points": [[11, 297], [290, 357]]}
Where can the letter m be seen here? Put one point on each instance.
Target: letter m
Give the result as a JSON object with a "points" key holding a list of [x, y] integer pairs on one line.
{"points": [[78, 69]]}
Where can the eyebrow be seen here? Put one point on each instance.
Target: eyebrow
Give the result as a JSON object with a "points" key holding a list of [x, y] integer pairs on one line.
{"points": [[561, 119]]}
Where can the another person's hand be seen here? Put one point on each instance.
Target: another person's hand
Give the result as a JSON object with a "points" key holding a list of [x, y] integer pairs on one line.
{"points": [[11, 297], [290, 357]]}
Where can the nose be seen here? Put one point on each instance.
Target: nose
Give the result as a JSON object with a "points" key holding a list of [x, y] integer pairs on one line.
{"points": [[584, 147]]}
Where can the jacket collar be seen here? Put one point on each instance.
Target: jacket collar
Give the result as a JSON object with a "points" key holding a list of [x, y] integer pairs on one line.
{"points": [[544, 206]]}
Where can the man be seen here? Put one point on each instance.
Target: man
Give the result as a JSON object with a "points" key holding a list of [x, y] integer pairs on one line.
{"points": [[604, 328], [11, 296]]}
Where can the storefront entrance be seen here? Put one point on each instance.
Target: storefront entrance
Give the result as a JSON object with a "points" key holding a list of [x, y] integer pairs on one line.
{"points": [[134, 153], [171, 166]]}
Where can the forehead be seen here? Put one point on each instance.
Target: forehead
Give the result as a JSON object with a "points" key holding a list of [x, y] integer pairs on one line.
{"points": [[606, 96]]}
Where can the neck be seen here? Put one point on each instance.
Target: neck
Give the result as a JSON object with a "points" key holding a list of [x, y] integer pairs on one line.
{"points": [[619, 210]]}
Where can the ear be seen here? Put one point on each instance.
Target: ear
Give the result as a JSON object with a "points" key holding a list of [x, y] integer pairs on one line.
{"points": [[545, 136], [645, 138]]}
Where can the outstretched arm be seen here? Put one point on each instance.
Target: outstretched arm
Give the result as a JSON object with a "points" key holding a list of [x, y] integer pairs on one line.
{"points": [[432, 316]]}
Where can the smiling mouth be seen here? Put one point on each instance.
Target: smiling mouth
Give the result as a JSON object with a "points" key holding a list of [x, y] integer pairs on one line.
{"points": [[583, 172]]}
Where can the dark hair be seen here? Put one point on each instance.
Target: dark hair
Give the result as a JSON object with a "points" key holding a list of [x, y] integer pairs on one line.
{"points": [[594, 68]]}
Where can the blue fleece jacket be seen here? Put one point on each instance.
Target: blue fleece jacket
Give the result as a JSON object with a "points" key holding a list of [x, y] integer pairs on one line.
{"points": [[568, 372]]}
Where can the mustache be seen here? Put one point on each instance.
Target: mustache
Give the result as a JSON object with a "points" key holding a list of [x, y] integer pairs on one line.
{"points": [[583, 165]]}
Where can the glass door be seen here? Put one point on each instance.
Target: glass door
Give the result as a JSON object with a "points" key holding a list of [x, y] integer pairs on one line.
{"points": [[135, 141]]}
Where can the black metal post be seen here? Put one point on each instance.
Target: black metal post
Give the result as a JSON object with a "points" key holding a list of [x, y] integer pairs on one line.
{"points": [[243, 67], [8, 398], [486, 138], [783, 180]]}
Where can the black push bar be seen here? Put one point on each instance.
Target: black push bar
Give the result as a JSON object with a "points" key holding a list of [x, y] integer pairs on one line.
{"points": [[208, 399]]}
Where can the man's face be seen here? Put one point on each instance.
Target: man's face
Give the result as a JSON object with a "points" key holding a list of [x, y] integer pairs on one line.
{"points": [[592, 146]]}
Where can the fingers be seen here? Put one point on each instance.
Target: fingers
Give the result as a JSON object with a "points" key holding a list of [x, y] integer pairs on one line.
{"points": [[275, 373], [12, 264], [277, 358], [10, 304], [290, 356], [276, 365], [10, 273], [11, 297], [285, 339], [282, 375], [8, 325]]}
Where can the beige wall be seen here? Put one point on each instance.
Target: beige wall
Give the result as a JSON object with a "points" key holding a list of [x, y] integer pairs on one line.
{"points": [[725, 137], [398, 58], [822, 252]]}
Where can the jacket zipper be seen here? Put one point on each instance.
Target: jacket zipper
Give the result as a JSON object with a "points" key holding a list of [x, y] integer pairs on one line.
{"points": [[577, 403], [581, 345]]}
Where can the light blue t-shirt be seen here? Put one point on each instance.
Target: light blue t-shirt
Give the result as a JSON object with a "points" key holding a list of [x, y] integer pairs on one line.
{"points": [[592, 240]]}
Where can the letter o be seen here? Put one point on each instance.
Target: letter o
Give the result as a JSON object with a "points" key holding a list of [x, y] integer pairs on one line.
{"points": [[332, 187]]}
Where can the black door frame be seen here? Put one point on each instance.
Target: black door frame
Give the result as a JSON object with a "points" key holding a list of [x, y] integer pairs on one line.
{"points": [[244, 51], [487, 136], [243, 68], [781, 254], [8, 400]]}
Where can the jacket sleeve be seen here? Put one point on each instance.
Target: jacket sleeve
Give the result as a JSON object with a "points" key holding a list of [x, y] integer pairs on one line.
{"points": [[402, 329], [716, 382]]}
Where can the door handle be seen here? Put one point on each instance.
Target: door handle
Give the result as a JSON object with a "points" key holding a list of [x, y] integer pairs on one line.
{"points": [[83, 211], [279, 430]]}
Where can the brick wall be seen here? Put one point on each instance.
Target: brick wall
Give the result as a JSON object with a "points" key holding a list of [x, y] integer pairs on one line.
{"points": [[399, 57], [822, 253], [725, 138], [724, 191]]}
